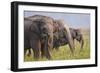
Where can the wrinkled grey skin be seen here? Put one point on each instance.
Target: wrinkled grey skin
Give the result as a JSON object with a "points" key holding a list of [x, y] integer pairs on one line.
{"points": [[38, 35], [62, 32], [75, 33]]}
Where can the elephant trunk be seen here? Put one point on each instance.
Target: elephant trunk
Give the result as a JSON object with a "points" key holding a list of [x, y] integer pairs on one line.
{"points": [[70, 40], [46, 48]]}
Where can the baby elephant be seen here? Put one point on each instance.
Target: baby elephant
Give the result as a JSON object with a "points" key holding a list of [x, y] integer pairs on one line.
{"points": [[62, 36], [75, 34]]}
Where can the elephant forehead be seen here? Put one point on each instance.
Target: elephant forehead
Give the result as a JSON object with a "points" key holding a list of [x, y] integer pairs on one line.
{"points": [[47, 20], [42, 21], [41, 18]]}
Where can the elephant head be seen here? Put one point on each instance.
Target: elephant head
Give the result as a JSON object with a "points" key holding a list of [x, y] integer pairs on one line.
{"points": [[42, 26], [64, 33], [79, 37], [77, 34]]}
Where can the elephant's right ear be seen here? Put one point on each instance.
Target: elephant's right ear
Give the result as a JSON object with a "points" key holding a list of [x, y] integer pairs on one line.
{"points": [[34, 28]]}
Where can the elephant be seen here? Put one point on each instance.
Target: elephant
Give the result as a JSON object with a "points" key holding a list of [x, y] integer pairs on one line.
{"points": [[38, 35], [44, 43], [63, 32], [75, 34]]}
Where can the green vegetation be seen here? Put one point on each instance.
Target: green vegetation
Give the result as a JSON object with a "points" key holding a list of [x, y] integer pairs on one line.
{"points": [[64, 52]]}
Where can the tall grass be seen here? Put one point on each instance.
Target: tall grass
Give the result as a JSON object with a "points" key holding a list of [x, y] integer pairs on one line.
{"points": [[64, 52]]}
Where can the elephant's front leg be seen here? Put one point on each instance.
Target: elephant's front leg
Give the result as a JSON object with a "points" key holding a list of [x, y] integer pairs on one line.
{"points": [[74, 44], [35, 44]]}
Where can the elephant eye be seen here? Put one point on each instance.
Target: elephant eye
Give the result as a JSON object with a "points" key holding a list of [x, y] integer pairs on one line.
{"points": [[76, 33], [43, 29]]}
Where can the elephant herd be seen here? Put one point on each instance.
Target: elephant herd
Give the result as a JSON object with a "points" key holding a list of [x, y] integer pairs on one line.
{"points": [[43, 33]]}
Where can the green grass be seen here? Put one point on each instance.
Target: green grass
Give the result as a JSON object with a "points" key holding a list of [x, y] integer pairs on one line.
{"points": [[64, 52]]}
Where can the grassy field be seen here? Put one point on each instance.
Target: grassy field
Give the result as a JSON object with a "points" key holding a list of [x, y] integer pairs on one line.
{"points": [[64, 52]]}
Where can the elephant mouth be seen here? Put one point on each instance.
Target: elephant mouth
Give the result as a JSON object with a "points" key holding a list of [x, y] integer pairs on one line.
{"points": [[44, 37]]}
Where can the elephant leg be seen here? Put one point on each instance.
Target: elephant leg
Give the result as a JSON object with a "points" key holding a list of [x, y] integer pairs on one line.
{"points": [[74, 44], [26, 46], [42, 51], [82, 43], [36, 54], [35, 44], [72, 51]]}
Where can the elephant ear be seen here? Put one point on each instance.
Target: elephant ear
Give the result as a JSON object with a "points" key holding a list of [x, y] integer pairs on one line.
{"points": [[55, 26], [78, 34], [34, 28], [65, 27], [79, 37]]}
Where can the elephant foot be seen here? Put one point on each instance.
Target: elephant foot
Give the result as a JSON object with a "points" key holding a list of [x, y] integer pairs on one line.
{"points": [[36, 57], [46, 56], [42, 55], [49, 57], [28, 55]]}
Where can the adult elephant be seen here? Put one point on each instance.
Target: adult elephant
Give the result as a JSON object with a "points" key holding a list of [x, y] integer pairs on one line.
{"points": [[63, 32], [38, 35], [63, 40]]}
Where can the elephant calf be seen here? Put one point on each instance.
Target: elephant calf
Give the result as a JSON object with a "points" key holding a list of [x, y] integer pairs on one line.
{"points": [[63, 34], [75, 34]]}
